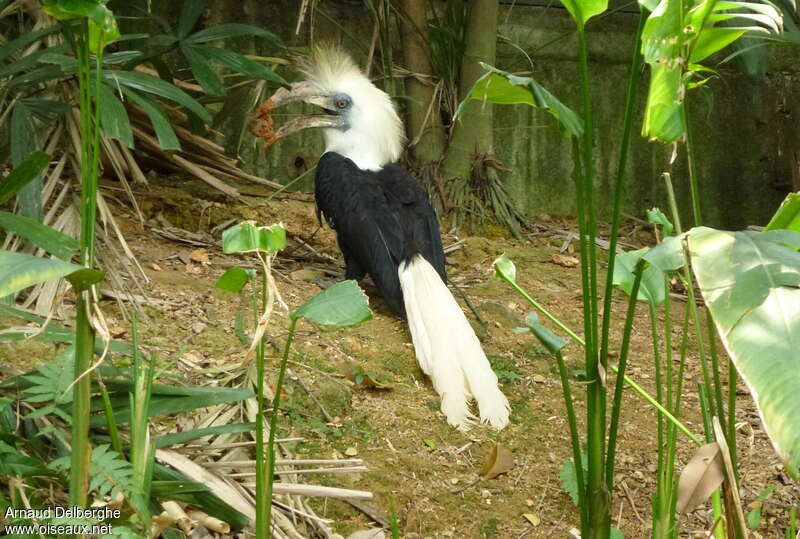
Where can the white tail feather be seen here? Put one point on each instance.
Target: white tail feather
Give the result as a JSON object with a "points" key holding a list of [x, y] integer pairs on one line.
{"points": [[448, 350]]}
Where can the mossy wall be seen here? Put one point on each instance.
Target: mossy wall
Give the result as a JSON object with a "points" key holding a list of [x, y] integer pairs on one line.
{"points": [[745, 131]]}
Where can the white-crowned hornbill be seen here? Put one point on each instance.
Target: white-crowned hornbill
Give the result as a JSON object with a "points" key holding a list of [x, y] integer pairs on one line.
{"points": [[387, 228]]}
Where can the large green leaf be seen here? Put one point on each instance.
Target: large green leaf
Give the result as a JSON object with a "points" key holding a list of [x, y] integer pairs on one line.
{"points": [[167, 138], [19, 271], [343, 304], [550, 340], [229, 30], [102, 24], [156, 86], [191, 10], [164, 400], [503, 88], [238, 63], [583, 10], [246, 237], [651, 288], [750, 282], [114, 118], [203, 71], [677, 35], [24, 173], [234, 280], [51, 240], [26, 39], [788, 215]]}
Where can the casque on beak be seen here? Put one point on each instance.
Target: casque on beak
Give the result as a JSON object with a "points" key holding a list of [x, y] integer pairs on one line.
{"points": [[263, 125]]}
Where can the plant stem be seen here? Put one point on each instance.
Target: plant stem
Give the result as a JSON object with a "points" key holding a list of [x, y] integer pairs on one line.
{"points": [[573, 432], [616, 408], [619, 184], [84, 333], [636, 387], [598, 522], [273, 421], [263, 502]]}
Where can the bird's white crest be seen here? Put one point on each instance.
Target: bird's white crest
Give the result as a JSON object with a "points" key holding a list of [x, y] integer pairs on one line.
{"points": [[375, 135]]}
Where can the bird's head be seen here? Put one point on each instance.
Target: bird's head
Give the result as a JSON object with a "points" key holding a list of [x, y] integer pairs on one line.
{"points": [[359, 120]]}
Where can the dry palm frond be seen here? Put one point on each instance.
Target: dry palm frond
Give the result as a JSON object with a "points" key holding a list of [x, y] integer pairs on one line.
{"points": [[484, 197]]}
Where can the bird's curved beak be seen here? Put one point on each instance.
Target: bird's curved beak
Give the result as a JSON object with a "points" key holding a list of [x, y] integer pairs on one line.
{"points": [[263, 124]]}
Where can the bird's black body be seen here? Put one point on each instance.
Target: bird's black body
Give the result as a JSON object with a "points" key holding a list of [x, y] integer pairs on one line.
{"points": [[382, 219]]}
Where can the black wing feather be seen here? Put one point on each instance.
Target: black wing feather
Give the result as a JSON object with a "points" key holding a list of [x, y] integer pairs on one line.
{"points": [[381, 219]]}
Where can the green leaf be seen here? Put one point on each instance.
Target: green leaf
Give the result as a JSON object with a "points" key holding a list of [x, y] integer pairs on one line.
{"points": [[233, 280], [229, 30], [651, 288], [26, 39], [657, 217], [504, 268], [750, 282], [583, 10], [24, 173], [190, 14], [569, 479], [712, 40], [51, 240], [343, 304], [788, 215], [203, 72], [164, 400], [238, 63], [503, 88], [12, 462], [167, 138], [85, 278], [52, 380], [246, 237], [431, 444], [114, 118], [19, 271], [667, 255], [550, 340], [156, 86], [166, 440], [102, 24], [165, 489]]}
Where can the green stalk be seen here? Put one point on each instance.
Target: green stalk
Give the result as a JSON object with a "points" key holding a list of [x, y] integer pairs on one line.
{"points": [[636, 387], [689, 281], [659, 381], [111, 421], [599, 518], [273, 421], [263, 501], [573, 432], [84, 333], [619, 184], [616, 408]]}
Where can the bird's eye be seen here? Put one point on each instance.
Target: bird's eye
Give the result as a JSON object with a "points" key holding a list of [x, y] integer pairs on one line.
{"points": [[342, 102]]}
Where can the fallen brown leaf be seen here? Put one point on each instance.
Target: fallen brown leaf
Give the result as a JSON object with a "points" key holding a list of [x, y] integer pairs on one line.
{"points": [[498, 461], [702, 475]]}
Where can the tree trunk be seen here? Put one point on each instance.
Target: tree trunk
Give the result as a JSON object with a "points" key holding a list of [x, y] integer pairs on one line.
{"points": [[472, 132], [423, 121]]}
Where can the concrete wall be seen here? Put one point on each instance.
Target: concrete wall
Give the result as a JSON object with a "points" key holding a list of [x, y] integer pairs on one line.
{"points": [[746, 131]]}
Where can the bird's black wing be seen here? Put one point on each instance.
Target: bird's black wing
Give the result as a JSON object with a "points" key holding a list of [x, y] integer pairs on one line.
{"points": [[380, 220], [367, 226], [418, 220]]}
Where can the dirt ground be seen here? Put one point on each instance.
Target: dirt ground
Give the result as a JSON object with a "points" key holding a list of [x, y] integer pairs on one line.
{"points": [[421, 469]]}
